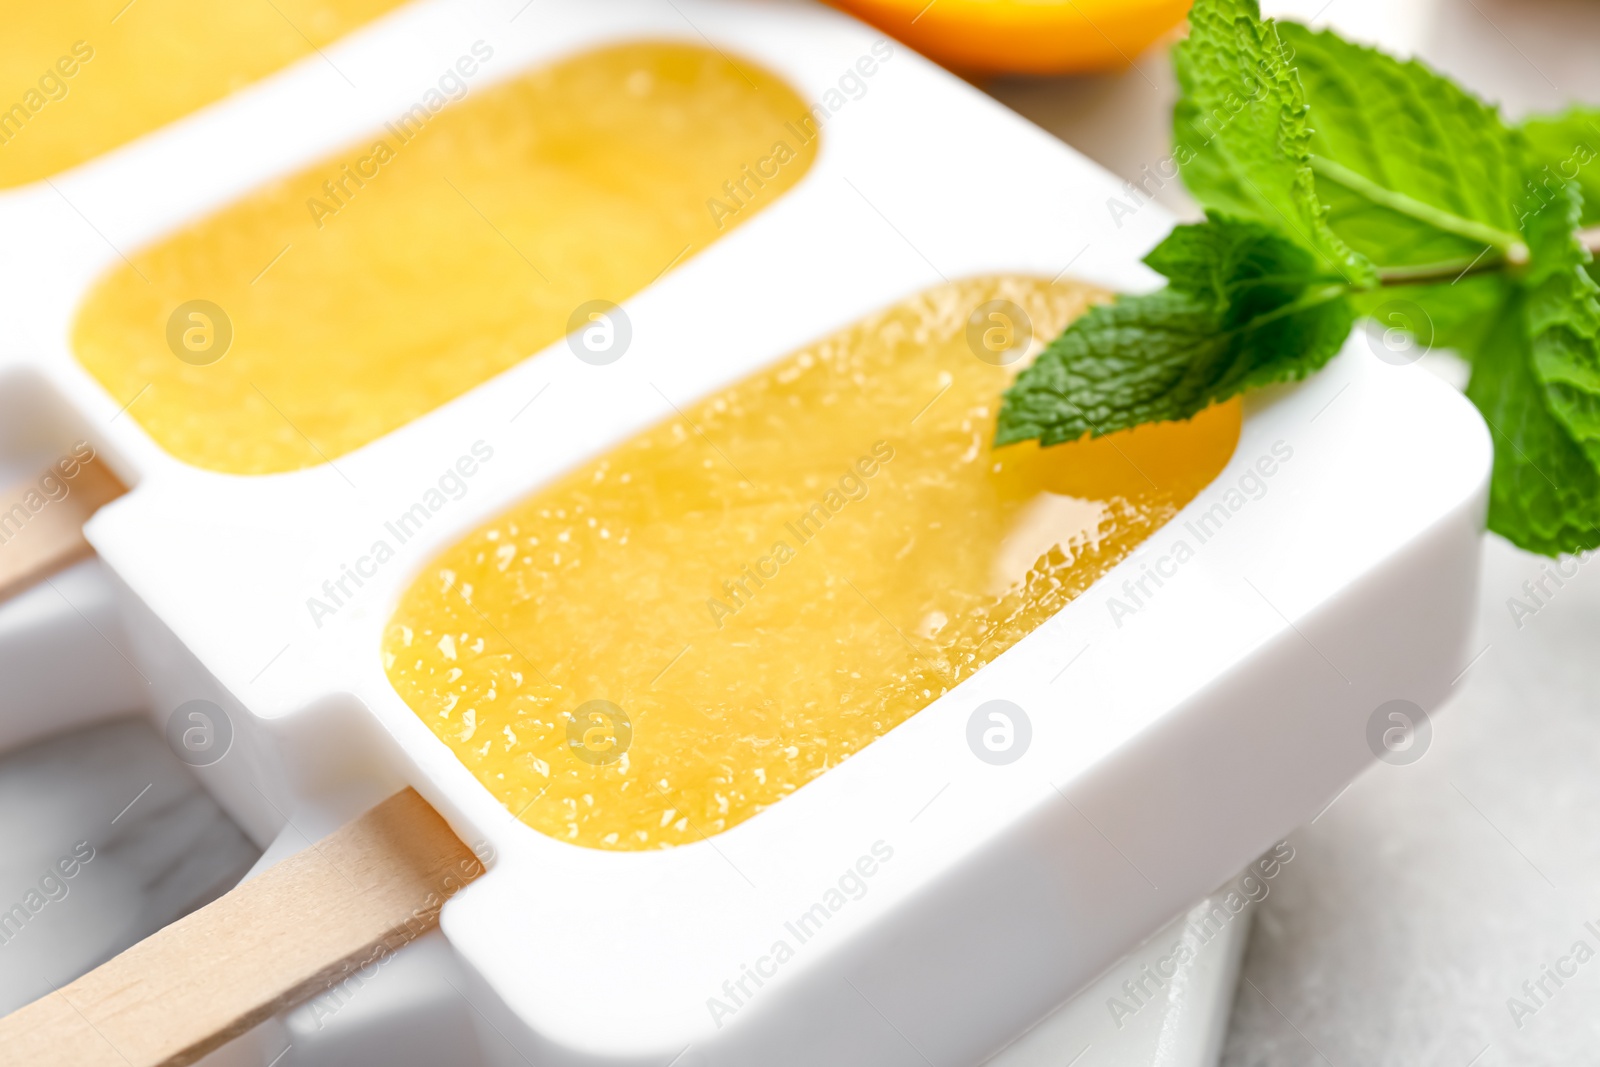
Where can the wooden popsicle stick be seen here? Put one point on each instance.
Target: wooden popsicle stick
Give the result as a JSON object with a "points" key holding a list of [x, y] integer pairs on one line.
{"points": [[40, 535], [280, 938]]}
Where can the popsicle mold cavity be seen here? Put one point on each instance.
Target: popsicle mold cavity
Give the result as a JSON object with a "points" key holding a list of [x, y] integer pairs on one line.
{"points": [[326, 309], [80, 78], [682, 632]]}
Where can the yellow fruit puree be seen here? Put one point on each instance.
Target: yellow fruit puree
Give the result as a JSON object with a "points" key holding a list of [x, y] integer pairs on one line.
{"points": [[364, 291], [80, 77], [680, 633]]}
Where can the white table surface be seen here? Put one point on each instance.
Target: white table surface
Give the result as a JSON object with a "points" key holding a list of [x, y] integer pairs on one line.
{"points": [[1426, 895]]}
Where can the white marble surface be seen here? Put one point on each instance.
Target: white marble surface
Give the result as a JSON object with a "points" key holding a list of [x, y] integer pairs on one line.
{"points": [[1427, 895], [143, 843]]}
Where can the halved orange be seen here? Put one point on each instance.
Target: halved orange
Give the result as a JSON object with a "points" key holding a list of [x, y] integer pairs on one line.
{"points": [[1024, 36]]}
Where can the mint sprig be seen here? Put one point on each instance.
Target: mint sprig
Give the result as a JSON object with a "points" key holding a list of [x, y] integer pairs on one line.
{"points": [[1332, 175]]}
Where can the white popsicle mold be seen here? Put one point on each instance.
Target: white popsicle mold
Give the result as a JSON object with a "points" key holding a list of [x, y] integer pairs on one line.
{"points": [[1170, 745]]}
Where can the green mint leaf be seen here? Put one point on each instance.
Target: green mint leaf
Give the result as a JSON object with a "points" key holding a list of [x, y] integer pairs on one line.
{"points": [[1240, 134], [1245, 308], [1457, 316], [1414, 169], [1536, 379], [1544, 495], [1563, 319], [1565, 148]]}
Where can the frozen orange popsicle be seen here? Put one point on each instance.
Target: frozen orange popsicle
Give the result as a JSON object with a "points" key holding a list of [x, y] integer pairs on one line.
{"points": [[80, 77], [326, 309], [690, 627]]}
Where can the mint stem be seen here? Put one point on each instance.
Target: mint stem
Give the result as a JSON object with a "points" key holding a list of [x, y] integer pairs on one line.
{"points": [[1436, 273], [1452, 270]]}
